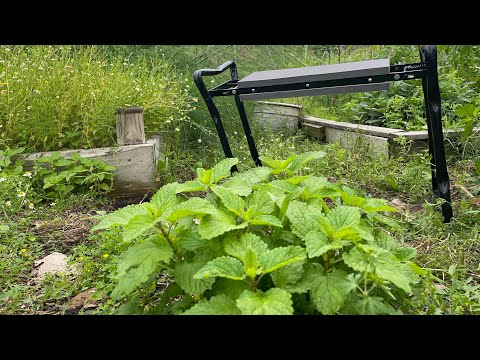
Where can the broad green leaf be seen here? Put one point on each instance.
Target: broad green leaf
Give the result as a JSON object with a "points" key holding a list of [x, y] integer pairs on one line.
{"points": [[305, 283], [138, 263], [348, 191], [347, 233], [288, 274], [273, 302], [381, 262], [329, 291], [190, 186], [222, 169], [372, 305], [280, 256], [394, 224], [268, 220], [251, 263], [283, 185], [216, 305], [302, 218], [262, 201], [190, 240], [386, 241], [477, 165], [343, 216], [165, 197], [465, 110], [277, 165], [254, 176], [204, 176], [318, 244], [375, 205], [356, 201], [365, 230], [225, 266], [121, 216], [232, 202], [217, 224], [295, 180], [238, 186], [229, 287], [238, 247], [304, 158], [184, 273], [192, 206], [404, 254], [137, 226]]}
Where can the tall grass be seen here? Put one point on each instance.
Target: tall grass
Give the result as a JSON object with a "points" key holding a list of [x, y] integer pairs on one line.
{"points": [[56, 97]]}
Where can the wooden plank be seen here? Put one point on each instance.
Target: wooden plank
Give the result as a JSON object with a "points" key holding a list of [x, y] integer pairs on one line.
{"points": [[136, 165], [314, 130], [130, 127]]}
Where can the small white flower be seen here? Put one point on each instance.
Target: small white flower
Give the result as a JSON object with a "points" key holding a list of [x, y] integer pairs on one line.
{"points": [[31, 206], [27, 174], [2, 179], [196, 221], [235, 133], [168, 121], [199, 141], [21, 193], [177, 129], [53, 204], [8, 204]]}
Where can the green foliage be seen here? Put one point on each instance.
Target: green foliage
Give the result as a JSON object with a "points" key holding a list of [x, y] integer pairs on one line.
{"points": [[57, 177], [248, 251], [56, 97]]}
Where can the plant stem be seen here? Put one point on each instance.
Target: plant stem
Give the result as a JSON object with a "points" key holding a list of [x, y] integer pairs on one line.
{"points": [[169, 241]]}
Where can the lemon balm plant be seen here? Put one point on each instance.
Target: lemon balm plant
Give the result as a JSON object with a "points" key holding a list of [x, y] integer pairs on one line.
{"points": [[56, 97], [269, 240]]}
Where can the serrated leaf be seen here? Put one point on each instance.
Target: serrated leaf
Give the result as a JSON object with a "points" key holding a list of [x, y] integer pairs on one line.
{"points": [[255, 175], [237, 248], [251, 263], [288, 274], [283, 185], [224, 266], [192, 206], [217, 224], [386, 241], [262, 201], [373, 305], [191, 240], [121, 216], [268, 220], [273, 302], [190, 186], [385, 220], [305, 283], [356, 201], [204, 176], [231, 288], [330, 291], [365, 230], [277, 165], [375, 205], [281, 256], [348, 191], [184, 273], [238, 186], [138, 263], [343, 216], [465, 110], [302, 218], [381, 262], [137, 226], [318, 244], [232, 202], [216, 305], [347, 233], [222, 169], [304, 158], [295, 180], [165, 197]]}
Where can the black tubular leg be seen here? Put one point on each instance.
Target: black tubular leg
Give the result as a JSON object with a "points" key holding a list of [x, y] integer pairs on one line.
{"points": [[248, 132], [197, 77], [440, 179]]}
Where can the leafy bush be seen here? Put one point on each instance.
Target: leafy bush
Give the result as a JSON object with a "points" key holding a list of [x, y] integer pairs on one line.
{"points": [[269, 240], [54, 97], [59, 177]]}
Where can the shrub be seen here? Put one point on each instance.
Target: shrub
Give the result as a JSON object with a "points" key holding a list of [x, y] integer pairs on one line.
{"points": [[269, 240]]}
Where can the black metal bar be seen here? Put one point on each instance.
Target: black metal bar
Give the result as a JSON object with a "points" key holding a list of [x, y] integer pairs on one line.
{"points": [[431, 89], [198, 79], [248, 132]]}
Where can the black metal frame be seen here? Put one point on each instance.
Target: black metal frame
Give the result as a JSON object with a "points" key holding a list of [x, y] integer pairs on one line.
{"points": [[425, 70]]}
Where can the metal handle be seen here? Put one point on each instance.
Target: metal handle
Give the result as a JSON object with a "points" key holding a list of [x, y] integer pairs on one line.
{"points": [[198, 76]]}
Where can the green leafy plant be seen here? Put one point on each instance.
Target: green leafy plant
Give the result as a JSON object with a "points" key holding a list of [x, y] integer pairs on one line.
{"points": [[58, 177], [265, 241]]}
